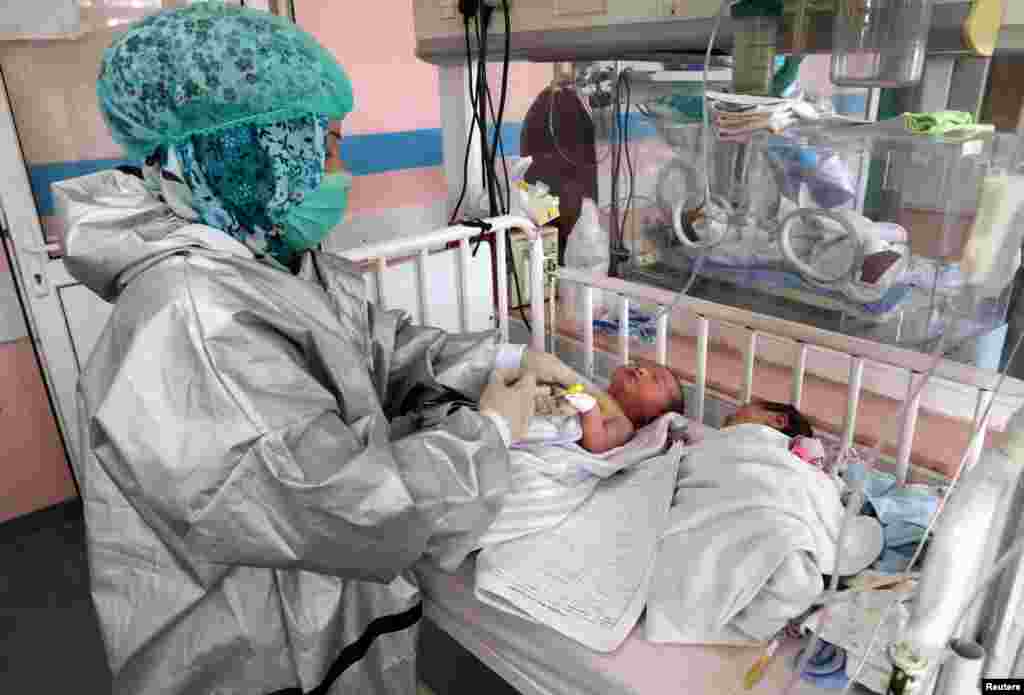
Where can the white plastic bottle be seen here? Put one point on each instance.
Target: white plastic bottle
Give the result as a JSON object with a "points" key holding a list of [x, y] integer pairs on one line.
{"points": [[587, 249]]}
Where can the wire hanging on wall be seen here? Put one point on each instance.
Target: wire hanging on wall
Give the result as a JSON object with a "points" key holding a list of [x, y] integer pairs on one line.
{"points": [[482, 103], [593, 89]]}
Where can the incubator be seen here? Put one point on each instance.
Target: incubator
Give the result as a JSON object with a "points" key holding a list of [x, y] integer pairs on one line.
{"points": [[863, 229]]}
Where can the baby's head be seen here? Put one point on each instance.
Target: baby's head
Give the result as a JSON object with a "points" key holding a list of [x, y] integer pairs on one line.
{"points": [[780, 416], [646, 391]]}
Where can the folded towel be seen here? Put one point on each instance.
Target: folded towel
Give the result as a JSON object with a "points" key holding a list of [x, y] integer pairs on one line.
{"points": [[904, 512], [937, 122]]}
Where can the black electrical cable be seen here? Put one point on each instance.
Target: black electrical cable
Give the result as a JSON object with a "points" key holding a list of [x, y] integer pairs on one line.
{"points": [[620, 151], [629, 162], [482, 100], [472, 125], [498, 149], [614, 233], [499, 119], [483, 26]]}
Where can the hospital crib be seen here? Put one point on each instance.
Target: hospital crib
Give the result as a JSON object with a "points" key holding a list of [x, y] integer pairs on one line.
{"points": [[507, 650]]}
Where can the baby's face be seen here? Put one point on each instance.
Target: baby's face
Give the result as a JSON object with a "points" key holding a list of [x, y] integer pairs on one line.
{"points": [[644, 392]]}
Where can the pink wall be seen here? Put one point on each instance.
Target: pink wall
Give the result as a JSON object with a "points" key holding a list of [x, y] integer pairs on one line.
{"points": [[33, 472], [394, 90]]}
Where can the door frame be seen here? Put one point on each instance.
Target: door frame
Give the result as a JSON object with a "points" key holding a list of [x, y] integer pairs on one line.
{"points": [[38, 279]]}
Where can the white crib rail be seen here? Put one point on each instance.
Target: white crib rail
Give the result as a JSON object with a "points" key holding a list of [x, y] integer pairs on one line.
{"points": [[804, 338], [377, 256]]}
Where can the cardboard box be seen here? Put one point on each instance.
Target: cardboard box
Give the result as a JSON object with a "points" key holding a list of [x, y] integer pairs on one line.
{"points": [[521, 261]]}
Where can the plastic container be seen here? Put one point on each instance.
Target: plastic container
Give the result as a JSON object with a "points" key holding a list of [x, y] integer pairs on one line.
{"points": [[587, 249], [880, 43]]}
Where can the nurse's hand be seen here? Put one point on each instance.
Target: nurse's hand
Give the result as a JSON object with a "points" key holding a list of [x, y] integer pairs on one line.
{"points": [[516, 404], [549, 369]]}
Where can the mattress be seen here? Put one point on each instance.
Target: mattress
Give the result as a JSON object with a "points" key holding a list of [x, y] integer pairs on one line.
{"points": [[538, 661]]}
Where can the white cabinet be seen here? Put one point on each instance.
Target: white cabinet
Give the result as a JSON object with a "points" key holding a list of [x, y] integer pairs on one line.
{"points": [[39, 18]]}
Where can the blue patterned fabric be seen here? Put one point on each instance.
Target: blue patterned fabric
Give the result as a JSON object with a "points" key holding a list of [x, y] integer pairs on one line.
{"points": [[244, 99], [208, 67], [246, 179]]}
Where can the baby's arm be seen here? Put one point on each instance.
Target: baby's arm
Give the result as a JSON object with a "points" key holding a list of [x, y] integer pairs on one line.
{"points": [[601, 434]]}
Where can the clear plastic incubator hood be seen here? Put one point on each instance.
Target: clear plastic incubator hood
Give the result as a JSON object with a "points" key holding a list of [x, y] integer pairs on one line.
{"points": [[867, 230]]}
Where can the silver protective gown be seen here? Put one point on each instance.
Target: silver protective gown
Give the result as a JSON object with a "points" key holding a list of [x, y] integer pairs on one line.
{"points": [[251, 510]]}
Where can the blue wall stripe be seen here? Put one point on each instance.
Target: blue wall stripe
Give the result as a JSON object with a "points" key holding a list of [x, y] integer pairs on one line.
{"points": [[364, 154], [850, 104], [380, 152]]}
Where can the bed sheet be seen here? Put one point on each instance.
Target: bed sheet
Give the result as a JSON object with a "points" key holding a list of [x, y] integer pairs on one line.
{"points": [[538, 661]]}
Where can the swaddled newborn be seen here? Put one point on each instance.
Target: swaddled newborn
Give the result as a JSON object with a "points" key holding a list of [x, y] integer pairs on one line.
{"points": [[637, 395]]}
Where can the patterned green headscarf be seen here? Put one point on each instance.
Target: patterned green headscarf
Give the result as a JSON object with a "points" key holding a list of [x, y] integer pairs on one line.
{"points": [[209, 66], [243, 98], [246, 180]]}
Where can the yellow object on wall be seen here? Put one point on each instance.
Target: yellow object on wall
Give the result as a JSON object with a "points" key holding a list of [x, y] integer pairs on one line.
{"points": [[981, 30]]}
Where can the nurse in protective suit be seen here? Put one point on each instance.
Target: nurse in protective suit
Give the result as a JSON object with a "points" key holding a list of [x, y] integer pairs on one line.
{"points": [[264, 454]]}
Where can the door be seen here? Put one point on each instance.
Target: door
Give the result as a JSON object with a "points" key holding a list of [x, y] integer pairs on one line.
{"points": [[33, 468], [63, 320]]}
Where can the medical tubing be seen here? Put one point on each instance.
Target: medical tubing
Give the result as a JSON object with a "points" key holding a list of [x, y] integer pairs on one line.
{"points": [[705, 139], [1004, 562], [617, 231], [854, 502], [624, 79], [1001, 565], [706, 134], [554, 138], [616, 167], [698, 264], [853, 505], [867, 652]]}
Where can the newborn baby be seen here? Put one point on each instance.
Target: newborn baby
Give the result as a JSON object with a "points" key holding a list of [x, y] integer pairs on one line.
{"points": [[790, 422], [637, 395], [779, 416]]}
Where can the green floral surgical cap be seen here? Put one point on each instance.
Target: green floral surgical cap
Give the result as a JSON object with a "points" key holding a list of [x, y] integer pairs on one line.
{"points": [[207, 67]]}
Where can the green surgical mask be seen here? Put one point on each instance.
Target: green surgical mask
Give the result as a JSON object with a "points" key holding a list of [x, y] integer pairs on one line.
{"points": [[308, 223]]}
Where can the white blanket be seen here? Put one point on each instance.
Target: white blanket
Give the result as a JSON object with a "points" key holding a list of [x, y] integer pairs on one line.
{"points": [[549, 482], [574, 546], [751, 530]]}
